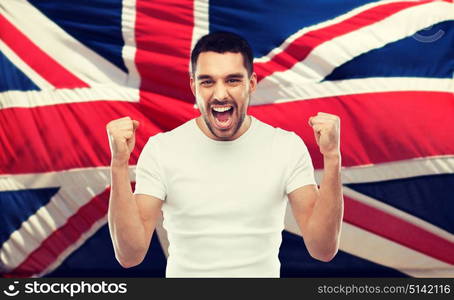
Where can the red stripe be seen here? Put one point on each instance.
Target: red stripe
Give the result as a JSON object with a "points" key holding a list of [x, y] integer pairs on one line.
{"points": [[163, 37], [32, 55], [65, 236], [376, 128], [61, 137], [302, 46], [398, 230]]}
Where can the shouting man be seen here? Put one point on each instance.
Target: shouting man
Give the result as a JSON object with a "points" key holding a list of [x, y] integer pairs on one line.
{"points": [[221, 179]]}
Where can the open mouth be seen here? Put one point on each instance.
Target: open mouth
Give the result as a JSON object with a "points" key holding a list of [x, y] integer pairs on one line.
{"points": [[223, 115]]}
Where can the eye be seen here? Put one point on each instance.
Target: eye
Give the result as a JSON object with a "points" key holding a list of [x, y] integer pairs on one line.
{"points": [[206, 82], [232, 80]]}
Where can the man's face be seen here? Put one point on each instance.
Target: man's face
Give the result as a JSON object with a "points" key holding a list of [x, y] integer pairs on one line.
{"points": [[222, 89]]}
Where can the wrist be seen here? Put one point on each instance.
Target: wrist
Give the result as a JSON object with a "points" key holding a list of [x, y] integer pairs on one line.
{"points": [[119, 164], [332, 160]]}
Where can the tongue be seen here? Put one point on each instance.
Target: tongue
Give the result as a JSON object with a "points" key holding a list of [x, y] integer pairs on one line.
{"points": [[222, 116]]}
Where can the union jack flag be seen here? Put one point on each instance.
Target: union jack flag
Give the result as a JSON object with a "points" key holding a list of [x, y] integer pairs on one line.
{"points": [[385, 67]]}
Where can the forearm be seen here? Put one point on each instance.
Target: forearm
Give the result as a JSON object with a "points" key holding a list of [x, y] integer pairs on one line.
{"points": [[324, 225], [125, 224]]}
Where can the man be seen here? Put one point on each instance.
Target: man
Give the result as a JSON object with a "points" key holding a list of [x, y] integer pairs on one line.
{"points": [[221, 179]]}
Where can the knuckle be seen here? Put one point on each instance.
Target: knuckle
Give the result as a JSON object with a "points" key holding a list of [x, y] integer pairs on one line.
{"points": [[109, 124], [110, 129]]}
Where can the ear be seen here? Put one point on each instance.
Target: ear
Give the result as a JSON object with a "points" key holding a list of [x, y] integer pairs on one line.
{"points": [[192, 84], [253, 82]]}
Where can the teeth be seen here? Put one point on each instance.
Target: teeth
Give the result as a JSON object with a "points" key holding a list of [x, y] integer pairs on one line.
{"points": [[222, 109]]}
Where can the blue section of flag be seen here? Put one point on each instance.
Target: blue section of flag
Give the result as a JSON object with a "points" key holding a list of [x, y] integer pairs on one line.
{"points": [[297, 262], [414, 56], [425, 197], [95, 23], [18, 206], [11, 78], [246, 18], [96, 258]]}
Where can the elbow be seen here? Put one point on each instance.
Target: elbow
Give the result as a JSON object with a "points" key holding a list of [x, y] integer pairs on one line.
{"points": [[326, 254], [126, 264], [128, 256], [129, 262], [324, 257], [323, 250]]}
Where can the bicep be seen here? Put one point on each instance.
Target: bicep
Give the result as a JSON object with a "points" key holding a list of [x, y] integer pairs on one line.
{"points": [[149, 211], [302, 201]]}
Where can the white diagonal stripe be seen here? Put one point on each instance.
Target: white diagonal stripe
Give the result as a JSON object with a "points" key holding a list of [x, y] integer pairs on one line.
{"points": [[335, 52], [324, 24], [49, 218], [391, 254], [390, 210], [26, 69], [53, 215], [74, 246], [77, 58]]}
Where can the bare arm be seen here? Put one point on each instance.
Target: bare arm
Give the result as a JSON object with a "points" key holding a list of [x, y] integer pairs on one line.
{"points": [[319, 213], [132, 218]]}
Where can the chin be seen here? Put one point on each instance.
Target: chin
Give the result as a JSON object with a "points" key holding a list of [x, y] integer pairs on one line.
{"points": [[223, 134]]}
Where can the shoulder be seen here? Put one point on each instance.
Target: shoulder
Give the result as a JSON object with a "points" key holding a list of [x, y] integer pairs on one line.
{"points": [[280, 136], [176, 135], [182, 130]]}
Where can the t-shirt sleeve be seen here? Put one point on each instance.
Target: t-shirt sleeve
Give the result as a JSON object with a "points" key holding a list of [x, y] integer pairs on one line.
{"points": [[300, 166], [149, 175]]}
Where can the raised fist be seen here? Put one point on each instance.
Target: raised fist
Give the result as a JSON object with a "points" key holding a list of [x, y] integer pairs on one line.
{"points": [[326, 129], [121, 133]]}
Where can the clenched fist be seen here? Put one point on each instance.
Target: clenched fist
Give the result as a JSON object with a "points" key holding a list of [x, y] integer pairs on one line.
{"points": [[121, 133], [327, 131]]}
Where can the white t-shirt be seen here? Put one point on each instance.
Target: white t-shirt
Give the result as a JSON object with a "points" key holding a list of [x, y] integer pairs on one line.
{"points": [[224, 201]]}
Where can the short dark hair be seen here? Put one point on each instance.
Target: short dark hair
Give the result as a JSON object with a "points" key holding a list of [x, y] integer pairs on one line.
{"points": [[222, 42]]}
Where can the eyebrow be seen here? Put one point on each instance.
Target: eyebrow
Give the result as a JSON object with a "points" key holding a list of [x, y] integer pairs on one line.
{"points": [[234, 75], [201, 77]]}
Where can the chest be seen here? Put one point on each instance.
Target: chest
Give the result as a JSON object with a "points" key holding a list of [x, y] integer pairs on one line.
{"points": [[224, 183]]}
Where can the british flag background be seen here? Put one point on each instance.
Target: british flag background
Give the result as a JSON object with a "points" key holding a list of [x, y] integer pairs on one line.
{"points": [[385, 67]]}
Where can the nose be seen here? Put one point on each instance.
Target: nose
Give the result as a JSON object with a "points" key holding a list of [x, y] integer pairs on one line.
{"points": [[220, 92]]}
